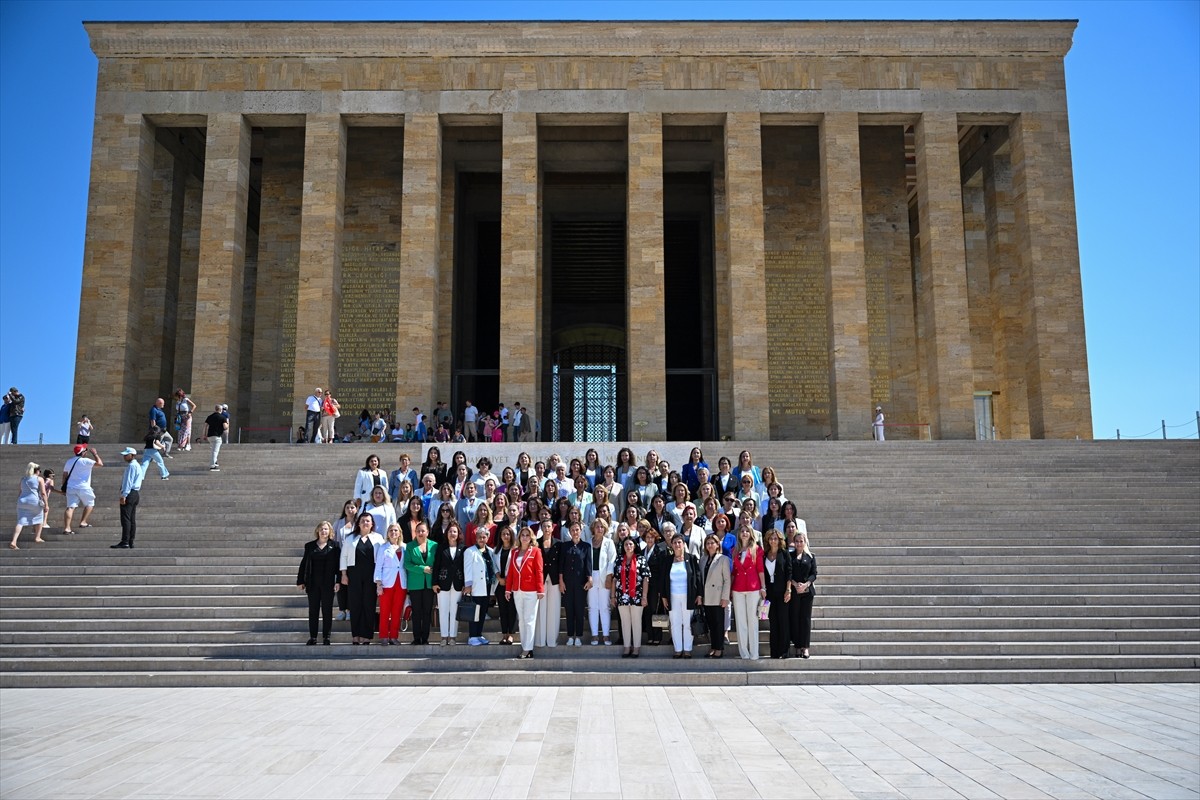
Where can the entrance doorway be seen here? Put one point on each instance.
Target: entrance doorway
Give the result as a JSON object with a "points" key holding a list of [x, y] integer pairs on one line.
{"points": [[586, 381], [985, 425]]}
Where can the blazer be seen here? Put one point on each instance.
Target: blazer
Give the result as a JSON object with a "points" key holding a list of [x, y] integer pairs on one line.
{"points": [[475, 571], [317, 566], [414, 564], [777, 586], [724, 483], [551, 566], [576, 563], [662, 578], [804, 569], [608, 555], [438, 471], [526, 576], [717, 580], [384, 516], [448, 572], [397, 475], [389, 565], [347, 556], [364, 483]]}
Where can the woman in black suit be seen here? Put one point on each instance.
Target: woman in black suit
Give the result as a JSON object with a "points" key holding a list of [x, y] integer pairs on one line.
{"points": [[318, 577], [448, 582], [777, 565], [434, 466], [804, 576]]}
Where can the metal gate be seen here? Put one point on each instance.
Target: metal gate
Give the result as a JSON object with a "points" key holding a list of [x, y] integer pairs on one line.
{"points": [[587, 385]]}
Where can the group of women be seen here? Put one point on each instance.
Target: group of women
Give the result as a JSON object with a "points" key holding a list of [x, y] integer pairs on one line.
{"points": [[692, 552]]}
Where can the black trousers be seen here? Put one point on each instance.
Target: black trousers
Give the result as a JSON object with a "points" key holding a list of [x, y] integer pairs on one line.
{"points": [[362, 602], [575, 602], [13, 424], [343, 597], [320, 601], [312, 421], [422, 614], [800, 619], [475, 628], [715, 617], [129, 517], [779, 615], [508, 614]]}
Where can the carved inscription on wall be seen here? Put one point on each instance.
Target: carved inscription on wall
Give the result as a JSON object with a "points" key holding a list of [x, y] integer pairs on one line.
{"points": [[367, 327], [287, 341], [797, 341], [878, 338]]}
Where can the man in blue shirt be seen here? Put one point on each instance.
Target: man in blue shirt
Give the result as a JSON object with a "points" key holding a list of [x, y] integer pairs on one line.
{"points": [[131, 485], [157, 417]]}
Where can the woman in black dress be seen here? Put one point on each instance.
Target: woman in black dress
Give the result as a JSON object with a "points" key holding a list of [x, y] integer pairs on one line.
{"points": [[777, 565], [318, 578]]}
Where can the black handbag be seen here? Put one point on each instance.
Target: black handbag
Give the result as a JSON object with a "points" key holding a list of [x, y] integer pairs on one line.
{"points": [[468, 611], [699, 624]]}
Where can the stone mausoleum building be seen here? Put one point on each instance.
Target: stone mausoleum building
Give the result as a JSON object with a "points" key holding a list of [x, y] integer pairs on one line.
{"points": [[639, 230]]}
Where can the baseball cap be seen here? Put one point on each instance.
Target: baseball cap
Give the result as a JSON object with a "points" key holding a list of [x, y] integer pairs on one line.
{"points": [[80, 448], [129, 451]]}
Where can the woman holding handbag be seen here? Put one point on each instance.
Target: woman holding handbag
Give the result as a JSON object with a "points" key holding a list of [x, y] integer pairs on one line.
{"points": [[682, 592], [448, 585], [714, 575], [525, 587]]}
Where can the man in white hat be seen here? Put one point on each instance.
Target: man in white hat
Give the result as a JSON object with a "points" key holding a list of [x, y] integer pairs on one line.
{"points": [[131, 485], [877, 428]]}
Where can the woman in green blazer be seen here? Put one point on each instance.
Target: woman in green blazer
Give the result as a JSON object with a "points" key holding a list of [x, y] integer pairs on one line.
{"points": [[419, 558]]}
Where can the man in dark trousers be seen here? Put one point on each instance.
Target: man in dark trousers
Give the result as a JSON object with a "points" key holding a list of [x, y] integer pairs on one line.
{"points": [[131, 486], [215, 426]]}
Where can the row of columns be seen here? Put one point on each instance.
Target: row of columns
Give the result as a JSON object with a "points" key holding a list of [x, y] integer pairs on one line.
{"points": [[1044, 228]]}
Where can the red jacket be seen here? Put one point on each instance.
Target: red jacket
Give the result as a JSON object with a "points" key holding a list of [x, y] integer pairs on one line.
{"points": [[525, 573]]}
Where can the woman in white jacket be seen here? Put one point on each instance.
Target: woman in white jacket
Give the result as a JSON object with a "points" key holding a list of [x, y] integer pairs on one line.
{"points": [[479, 571], [604, 555], [368, 478], [379, 506], [391, 585]]}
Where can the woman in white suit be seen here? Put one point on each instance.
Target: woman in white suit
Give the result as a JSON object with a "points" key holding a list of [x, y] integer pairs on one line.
{"points": [[368, 478], [604, 555]]}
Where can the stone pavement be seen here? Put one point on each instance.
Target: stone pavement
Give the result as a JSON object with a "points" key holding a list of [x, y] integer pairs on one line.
{"points": [[926, 742]]}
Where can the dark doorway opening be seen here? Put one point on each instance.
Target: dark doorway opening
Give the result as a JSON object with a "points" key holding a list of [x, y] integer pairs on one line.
{"points": [[476, 334], [689, 312]]}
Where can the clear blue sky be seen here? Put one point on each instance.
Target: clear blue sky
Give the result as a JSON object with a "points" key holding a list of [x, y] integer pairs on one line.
{"points": [[1132, 81]]}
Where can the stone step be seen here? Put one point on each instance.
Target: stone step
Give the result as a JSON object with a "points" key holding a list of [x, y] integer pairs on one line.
{"points": [[534, 672], [284, 632], [343, 657]]}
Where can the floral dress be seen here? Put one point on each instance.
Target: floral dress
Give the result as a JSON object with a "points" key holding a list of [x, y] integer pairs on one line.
{"points": [[628, 579]]}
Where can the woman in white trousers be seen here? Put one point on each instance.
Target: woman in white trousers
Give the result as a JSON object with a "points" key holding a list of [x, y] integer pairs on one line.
{"points": [[604, 553], [549, 614], [525, 586], [748, 588]]}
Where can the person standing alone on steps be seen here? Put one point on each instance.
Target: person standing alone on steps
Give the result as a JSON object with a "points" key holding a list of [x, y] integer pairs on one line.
{"points": [[131, 485], [215, 426], [877, 427]]}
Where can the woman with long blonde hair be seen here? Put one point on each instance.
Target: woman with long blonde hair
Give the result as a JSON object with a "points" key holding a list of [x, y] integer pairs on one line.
{"points": [[747, 590]]}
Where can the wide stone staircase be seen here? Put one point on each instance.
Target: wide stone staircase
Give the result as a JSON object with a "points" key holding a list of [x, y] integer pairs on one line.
{"points": [[939, 562]]}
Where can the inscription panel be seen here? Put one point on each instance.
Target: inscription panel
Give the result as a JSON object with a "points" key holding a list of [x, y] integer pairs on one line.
{"points": [[281, 414], [878, 337], [797, 343], [367, 327]]}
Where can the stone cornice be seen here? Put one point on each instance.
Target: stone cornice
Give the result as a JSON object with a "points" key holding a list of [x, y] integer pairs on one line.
{"points": [[961, 38]]}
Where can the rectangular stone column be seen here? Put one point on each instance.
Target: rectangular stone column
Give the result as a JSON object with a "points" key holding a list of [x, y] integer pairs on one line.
{"points": [[319, 285], [520, 281], [747, 275], [645, 286], [420, 242], [942, 280], [1008, 287], [114, 264], [845, 277], [220, 285], [1060, 405]]}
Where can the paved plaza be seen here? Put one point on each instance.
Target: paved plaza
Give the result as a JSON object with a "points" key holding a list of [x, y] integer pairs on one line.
{"points": [[1031, 741]]}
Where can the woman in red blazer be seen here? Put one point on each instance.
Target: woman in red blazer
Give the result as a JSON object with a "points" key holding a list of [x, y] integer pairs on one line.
{"points": [[525, 587]]}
